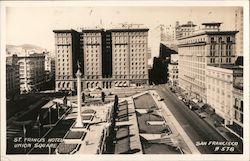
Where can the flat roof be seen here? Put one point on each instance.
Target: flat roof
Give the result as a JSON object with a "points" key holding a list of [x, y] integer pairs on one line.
{"points": [[210, 33], [129, 30], [32, 56], [212, 23], [92, 30], [226, 66], [64, 31], [187, 25]]}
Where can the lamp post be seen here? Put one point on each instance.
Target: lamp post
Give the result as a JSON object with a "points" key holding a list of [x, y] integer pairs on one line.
{"points": [[79, 117]]}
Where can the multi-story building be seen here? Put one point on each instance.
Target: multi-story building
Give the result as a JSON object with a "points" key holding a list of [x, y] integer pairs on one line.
{"points": [[196, 51], [12, 76], [237, 125], [173, 70], [92, 53], [129, 56], [184, 29], [239, 27], [109, 58], [224, 92], [67, 50], [49, 67], [32, 72]]}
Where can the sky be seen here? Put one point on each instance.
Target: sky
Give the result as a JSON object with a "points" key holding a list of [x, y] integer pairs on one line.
{"points": [[35, 25]]}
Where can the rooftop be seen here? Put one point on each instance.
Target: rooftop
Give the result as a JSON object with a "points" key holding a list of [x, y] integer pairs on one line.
{"points": [[210, 33], [212, 23], [64, 31], [226, 66]]}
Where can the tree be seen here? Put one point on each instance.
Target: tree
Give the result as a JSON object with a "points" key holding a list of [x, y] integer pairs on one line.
{"points": [[83, 97], [103, 96], [116, 105]]}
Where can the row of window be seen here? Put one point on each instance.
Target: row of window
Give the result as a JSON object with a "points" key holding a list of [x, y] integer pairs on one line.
{"points": [[227, 60], [130, 33], [92, 69], [131, 41], [92, 34], [238, 116], [220, 39], [219, 75]]}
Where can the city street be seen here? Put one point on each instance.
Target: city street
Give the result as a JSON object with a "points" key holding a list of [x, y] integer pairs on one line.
{"points": [[196, 128]]}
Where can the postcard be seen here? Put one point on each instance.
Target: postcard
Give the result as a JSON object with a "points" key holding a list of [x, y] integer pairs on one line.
{"points": [[124, 80]]}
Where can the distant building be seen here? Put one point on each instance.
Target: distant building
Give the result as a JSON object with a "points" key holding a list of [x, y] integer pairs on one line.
{"points": [[32, 72], [239, 27], [197, 51], [224, 92], [173, 70], [108, 58], [184, 29], [49, 65], [12, 76]]}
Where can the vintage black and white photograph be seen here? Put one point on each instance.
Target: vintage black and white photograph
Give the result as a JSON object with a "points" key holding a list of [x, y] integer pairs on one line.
{"points": [[124, 79]]}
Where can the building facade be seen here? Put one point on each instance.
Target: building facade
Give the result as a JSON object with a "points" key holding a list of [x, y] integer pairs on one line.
{"points": [[67, 50], [239, 27], [32, 72], [108, 58], [129, 56], [173, 74], [92, 53], [12, 76], [184, 29], [238, 103], [49, 65], [224, 92], [197, 51], [173, 70]]}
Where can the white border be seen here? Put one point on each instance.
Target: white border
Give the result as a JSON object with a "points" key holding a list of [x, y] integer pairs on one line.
{"points": [[193, 157]]}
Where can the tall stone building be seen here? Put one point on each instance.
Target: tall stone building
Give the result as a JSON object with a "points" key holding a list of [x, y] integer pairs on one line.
{"points": [[184, 29], [12, 76], [225, 94], [67, 53], [32, 72], [239, 27], [108, 58], [196, 51]]}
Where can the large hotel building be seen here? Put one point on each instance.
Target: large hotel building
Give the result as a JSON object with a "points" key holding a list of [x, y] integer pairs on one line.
{"points": [[108, 58], [208, 47]]}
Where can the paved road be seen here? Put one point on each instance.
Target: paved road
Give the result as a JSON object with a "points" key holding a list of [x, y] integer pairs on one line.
{"points": [[196, 128]]}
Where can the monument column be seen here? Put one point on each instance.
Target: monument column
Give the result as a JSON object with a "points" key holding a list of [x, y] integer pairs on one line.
{"points": [[79, 102]]}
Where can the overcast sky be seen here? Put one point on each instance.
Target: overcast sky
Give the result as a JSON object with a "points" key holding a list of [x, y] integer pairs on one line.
{"points": [[34, 25]]}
